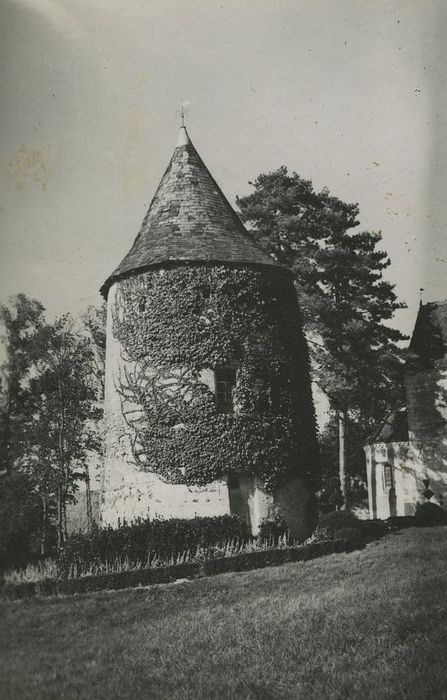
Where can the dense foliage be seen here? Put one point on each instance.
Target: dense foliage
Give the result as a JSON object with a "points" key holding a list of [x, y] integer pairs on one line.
{"points": [[23, 329], [430, 514], [145, 540], [62, 402], [48, 415], [175, 324], [20, 520], [334, 525]]}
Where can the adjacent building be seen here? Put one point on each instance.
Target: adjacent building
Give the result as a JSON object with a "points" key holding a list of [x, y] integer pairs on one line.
{"points": [[407, 457]]}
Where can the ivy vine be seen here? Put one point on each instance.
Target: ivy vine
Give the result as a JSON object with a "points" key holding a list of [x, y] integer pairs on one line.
{"points": [[175, 323]]}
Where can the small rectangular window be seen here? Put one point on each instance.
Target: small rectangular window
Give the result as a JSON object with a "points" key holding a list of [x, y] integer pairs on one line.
{"points": [[225, 381], [387, 475]]}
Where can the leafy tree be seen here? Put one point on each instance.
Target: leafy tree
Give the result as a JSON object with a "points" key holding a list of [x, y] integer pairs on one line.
{"points": [[345, 300], [61, 416], [51, 391], [23, 326]]}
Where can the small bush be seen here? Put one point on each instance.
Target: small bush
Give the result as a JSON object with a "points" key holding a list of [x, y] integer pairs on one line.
{"points": [[330, 523], [352, 535], [399, 522], [273, 530], [373, 529], [338, 519], [430, 514], [146, 541]]}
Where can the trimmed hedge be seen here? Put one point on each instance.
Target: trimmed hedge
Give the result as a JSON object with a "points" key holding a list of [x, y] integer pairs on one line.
{"points": [[330, 523], [274, 557], [333, 525], [399, 522], [167, 574], [430, 514], [373, 529], [145, 540], [353, 535], [102, 582]]}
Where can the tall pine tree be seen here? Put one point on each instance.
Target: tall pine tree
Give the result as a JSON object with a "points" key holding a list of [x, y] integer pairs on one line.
{"points": [[347, 305]]}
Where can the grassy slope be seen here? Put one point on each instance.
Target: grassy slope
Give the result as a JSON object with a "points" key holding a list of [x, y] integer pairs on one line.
{"points": [[370, 624]]}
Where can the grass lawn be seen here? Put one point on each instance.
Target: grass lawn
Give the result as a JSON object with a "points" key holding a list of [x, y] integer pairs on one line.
{"points": [[369, 624]]}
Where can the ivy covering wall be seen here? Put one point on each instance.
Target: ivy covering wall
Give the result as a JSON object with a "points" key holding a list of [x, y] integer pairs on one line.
{"points": [[175, 323]]}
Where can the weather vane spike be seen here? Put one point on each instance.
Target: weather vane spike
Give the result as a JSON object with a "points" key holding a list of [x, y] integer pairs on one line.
{"points": [[183, 112], [421, 293]]}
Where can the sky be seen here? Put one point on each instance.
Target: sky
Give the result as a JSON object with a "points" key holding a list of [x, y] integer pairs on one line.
{"points": [[348, 93]]}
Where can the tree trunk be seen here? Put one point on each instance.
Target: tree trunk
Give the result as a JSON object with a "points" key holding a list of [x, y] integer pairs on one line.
{"points": [[88, 500], [64, 471], [64, 516], [43, 539], [60, 518], [342, 458]]}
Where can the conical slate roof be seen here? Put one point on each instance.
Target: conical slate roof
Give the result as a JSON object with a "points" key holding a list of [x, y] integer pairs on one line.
{"points": [[189, 219], [429, 340]]}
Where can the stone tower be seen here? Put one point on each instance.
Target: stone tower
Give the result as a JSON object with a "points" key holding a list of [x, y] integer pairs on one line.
{"points": [[208, 405]]}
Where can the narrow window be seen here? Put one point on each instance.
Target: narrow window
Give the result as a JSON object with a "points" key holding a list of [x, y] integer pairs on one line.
{"points": [[225, 381], [205, 291], [387, 475]]}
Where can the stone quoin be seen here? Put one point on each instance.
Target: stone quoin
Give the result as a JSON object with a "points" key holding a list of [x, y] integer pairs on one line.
{"points": [[208, 404]]}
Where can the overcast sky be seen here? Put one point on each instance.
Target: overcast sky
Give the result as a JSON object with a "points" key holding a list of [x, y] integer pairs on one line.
{"points": [[349, 93]]}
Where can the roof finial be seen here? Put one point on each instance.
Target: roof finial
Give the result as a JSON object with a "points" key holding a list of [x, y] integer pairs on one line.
{"points": [[183, 112], [183, 139], [421, 291]]}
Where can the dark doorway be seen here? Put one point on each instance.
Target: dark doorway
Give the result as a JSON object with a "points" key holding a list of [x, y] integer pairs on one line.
{"points": [[240, 487]]}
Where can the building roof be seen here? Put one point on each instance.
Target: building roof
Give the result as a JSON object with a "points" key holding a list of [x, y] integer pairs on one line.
{"points": [[428, 343], [393, 429], [189, 219]]}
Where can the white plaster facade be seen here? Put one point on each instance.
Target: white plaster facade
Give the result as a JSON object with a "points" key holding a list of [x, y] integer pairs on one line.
{"points": [[402, 473], [415, 469]]}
